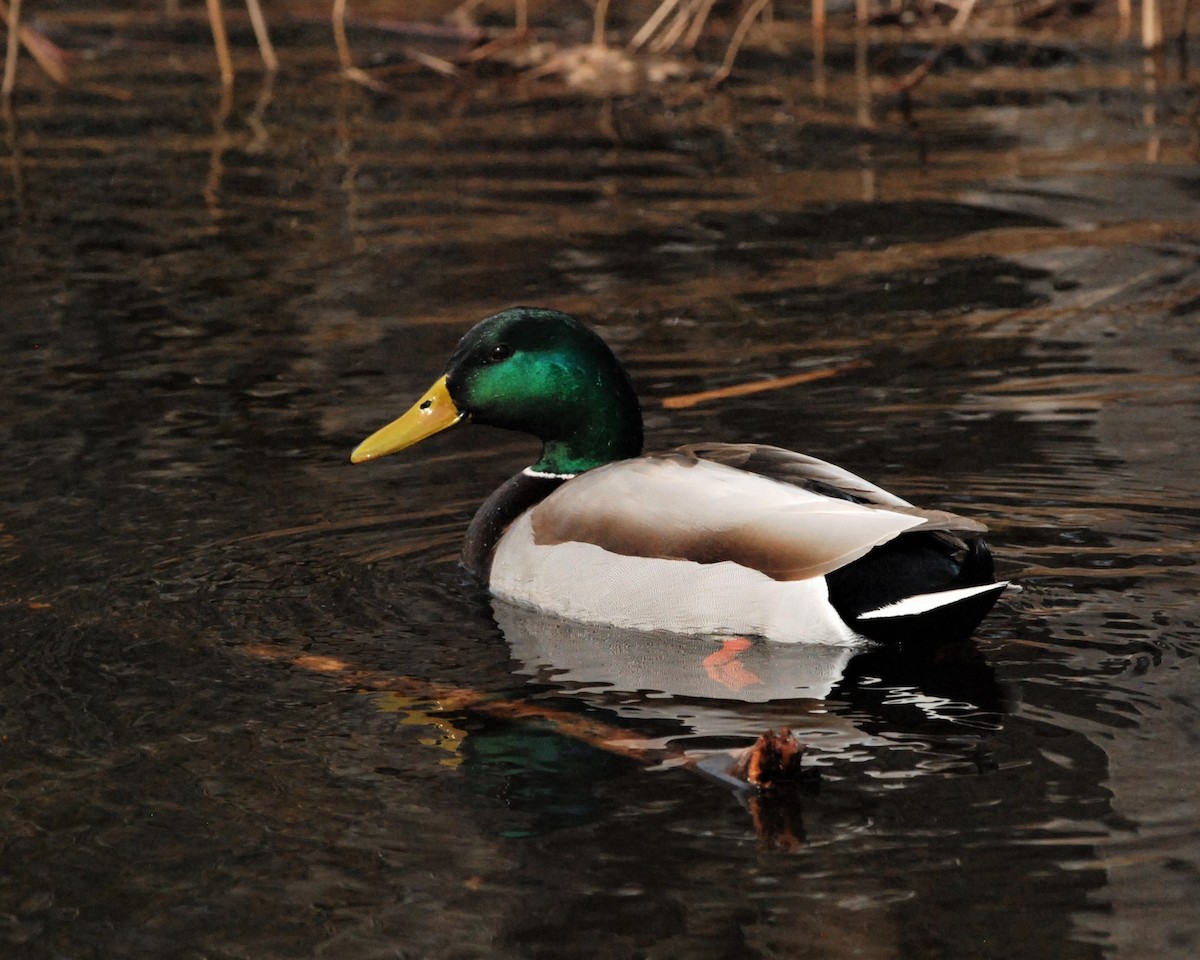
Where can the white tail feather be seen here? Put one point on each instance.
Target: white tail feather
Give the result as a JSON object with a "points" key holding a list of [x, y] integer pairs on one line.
{"points": [[924, 602]]}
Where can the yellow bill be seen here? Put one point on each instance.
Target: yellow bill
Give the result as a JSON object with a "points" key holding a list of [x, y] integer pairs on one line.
{"points": [[431, 414]]}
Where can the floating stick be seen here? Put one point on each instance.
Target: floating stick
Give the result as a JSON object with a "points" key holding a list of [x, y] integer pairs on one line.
{"points": [[685, 400]]}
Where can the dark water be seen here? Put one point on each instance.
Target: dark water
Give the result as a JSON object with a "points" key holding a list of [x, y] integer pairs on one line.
{"points": [[244, 685]]}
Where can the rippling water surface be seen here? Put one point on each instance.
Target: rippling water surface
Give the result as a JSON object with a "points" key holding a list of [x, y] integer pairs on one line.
{"points": [[251, 707]]}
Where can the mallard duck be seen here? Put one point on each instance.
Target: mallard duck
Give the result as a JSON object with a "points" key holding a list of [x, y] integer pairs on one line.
{"points": [[712, 539]]}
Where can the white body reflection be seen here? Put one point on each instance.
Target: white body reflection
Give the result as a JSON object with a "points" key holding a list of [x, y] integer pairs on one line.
{"points": [[587, 657], [712, 689]]}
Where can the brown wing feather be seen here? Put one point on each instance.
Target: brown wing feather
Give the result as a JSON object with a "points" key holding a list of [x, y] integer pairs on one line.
{"points": [[677, 506], [819, 476]]}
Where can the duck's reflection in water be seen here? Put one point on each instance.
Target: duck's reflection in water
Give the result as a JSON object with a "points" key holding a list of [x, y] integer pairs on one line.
{"points": [[738, 687], [583, 657], [703, 701]]}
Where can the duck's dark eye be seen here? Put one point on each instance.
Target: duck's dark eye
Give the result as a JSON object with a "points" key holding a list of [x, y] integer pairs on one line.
{"points": [[501, 351]]}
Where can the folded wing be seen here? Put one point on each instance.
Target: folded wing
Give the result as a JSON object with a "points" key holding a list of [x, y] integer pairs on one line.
{"points": [[682, 506]]}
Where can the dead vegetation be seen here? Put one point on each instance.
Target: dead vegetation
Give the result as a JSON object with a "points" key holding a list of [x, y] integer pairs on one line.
{"points": [[628, 43]]}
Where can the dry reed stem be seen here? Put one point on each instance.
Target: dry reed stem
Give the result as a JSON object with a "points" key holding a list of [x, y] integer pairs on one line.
{"points": [[739, 37], [216, 19], [338, 16], [259, 23], [703, 9], [653, 22], [819, 27], [672, 34], [430, 62], [12, 49], [49, 55], [1125, 11], [598, 25], [492, 47], [1152, 32], [862, 72], [959, 23], [349, 70]]}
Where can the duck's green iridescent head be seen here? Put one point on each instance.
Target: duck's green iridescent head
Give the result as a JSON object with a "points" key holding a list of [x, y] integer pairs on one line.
{"points": [[533, 370]]}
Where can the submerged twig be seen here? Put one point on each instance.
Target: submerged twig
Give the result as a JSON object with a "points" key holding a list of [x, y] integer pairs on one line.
{"points": [[923, 69], [765, 774], [451, 699]]}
